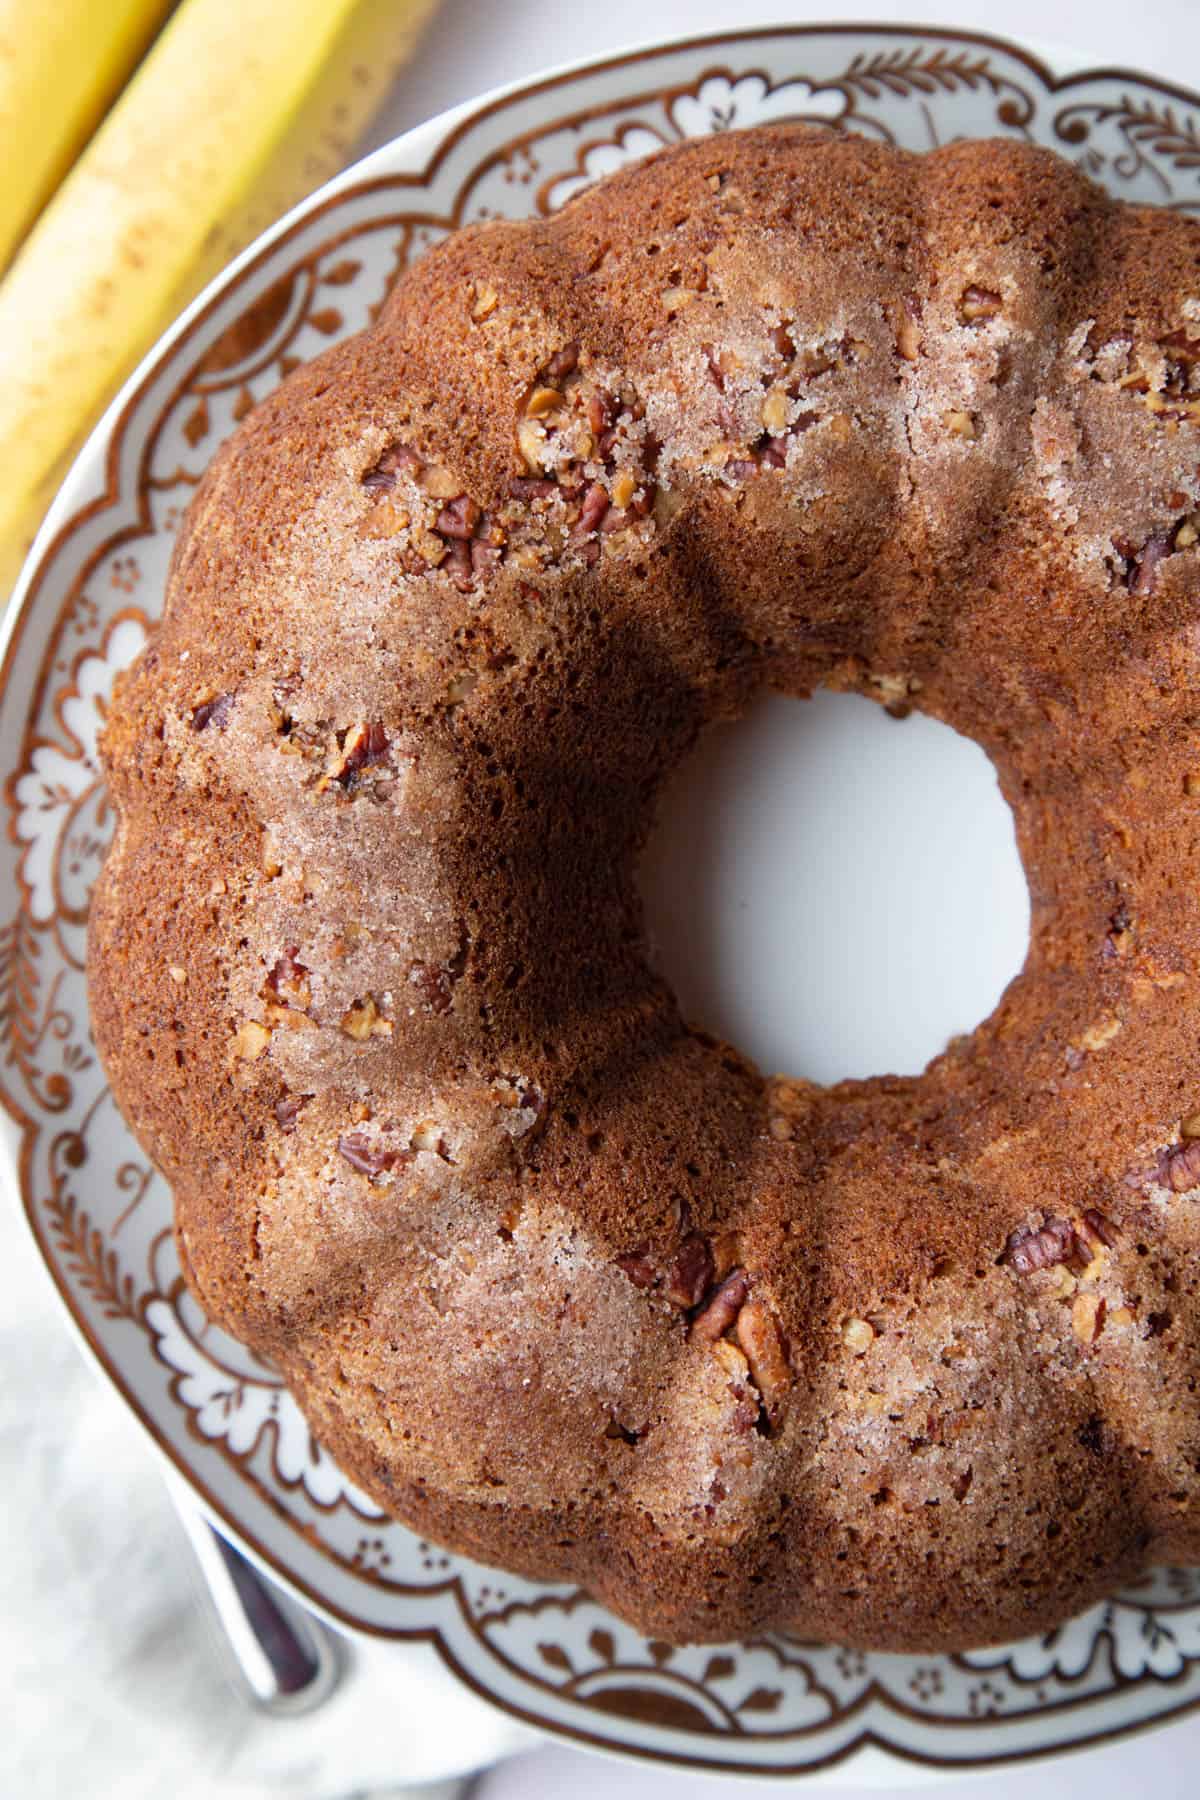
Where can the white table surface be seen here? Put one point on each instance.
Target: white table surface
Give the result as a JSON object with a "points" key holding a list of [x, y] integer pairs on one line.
{"points": [[477, 44], [474, 46]]}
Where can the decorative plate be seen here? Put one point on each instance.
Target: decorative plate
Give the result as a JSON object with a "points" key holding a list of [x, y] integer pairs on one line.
{"points": [[101, 1216]]}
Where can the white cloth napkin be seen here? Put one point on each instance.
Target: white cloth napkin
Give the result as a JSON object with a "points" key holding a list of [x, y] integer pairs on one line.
{"points": [[112, 1680]]}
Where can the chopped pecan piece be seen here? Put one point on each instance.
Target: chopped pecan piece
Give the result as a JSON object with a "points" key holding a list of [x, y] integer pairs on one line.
{"points": [[428, 1136], [642, 504], [434, 984], [365, 746], [484, 556], [364, 1020], [564, 362], [737, 1371], [908, 334], [367, 1157], [602, 412], [440, 483], [858, 1335], [732, 1360], [1178, 1167], [288, 980], [486, 302], [358, 748], [212, 712], [287, 1110], [1087, 1317], [543, 400], [978, 305], [459, 517], [691, 1272], [722, 1307], [775, 411], [1141, 561], [624, 488], [250, 1040], [638, 1267], [595, 506], [394, 459], [460, 565], [1032, 1247], [759, 1334], [379, 479], [532, 487], [1099, 1228], [713, 361], [746, 1414]]}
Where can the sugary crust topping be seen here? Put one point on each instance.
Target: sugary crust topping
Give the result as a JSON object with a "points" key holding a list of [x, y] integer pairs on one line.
{"points": [[557, 1277]]}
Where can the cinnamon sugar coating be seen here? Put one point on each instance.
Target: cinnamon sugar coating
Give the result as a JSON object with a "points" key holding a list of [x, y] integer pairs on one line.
{"points": [[559, 1279]]}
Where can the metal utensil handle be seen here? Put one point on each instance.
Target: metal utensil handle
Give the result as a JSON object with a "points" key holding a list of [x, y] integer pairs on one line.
{"points": [[287, 1658], [290, 1653]]}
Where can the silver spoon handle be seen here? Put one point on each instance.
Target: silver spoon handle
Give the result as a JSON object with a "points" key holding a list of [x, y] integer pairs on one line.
{"points": [[287, 1659]]}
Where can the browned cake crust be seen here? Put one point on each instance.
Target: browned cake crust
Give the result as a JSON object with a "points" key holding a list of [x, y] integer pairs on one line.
{"points": [[560, 1280]]}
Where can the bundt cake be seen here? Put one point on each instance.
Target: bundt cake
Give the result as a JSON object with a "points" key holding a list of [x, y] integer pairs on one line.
{"points": [[560, 1280]]}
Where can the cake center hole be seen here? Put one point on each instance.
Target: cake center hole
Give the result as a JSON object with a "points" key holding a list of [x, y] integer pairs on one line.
{"points": [[834, 891]]}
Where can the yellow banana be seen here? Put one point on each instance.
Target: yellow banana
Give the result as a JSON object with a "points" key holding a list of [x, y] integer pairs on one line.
{"points": [[241, 107], [61, 63]]}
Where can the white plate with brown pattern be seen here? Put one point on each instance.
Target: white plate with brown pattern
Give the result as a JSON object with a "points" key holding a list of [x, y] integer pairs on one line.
{"points": [[101, 1216]]}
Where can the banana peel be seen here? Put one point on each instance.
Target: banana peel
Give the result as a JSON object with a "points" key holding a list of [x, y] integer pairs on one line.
{"points": [[240, 108], [61, 65]]}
